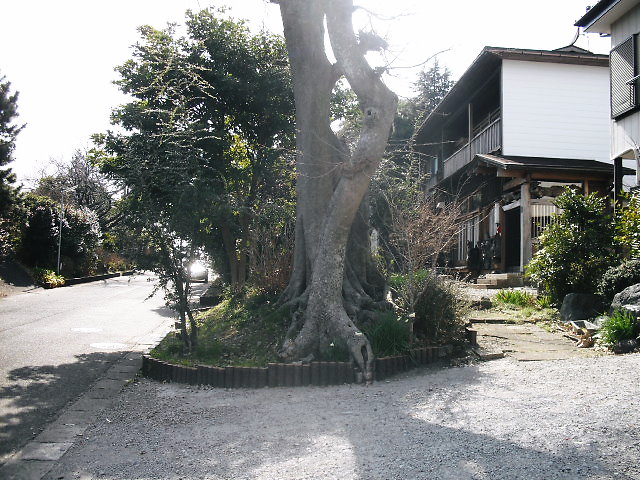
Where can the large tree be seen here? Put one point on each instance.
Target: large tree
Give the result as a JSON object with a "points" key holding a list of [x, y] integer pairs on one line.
{"points": [[334, 284], [210, 117]]}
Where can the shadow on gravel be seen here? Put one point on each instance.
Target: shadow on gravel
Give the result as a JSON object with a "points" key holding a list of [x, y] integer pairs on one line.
{"points": [[31, 397], [407, 428]]}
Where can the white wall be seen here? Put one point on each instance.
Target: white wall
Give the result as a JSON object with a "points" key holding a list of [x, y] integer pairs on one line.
{"points": [[626, 131], [555, 110]]}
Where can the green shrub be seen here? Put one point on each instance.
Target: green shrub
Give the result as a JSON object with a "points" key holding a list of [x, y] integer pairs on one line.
{"points": [[518, 298], [620, 326], [618, 278], [628, 225], [576, 248], [389, 335], [440, 311], [47, 278]]}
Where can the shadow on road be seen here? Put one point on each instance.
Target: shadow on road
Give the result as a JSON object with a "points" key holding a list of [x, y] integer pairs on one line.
{"points": [[33, 396]]}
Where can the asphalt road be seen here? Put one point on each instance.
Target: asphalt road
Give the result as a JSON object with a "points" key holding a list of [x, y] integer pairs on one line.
{"points": [[54, 344]]}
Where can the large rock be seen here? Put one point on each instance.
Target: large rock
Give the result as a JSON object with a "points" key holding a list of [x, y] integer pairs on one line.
{"points": [[627, 299], [580, 306]]}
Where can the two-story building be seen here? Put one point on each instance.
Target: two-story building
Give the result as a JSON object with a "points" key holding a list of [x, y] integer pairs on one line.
{"points": [[621, 20], [515, 130]]}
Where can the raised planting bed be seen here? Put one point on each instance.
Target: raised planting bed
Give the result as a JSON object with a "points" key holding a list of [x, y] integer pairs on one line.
{"points": [[288, 374]]}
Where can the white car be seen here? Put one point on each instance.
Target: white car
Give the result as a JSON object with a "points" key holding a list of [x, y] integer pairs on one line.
{"points": [[198, 271]]}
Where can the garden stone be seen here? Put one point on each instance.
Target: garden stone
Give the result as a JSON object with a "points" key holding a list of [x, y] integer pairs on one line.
{"points": [[625, 346], [580, 306], [629, 299]]}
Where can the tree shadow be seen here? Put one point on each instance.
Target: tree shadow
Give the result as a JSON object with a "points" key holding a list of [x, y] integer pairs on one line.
{"points": [[400, 429], [33, 396]]}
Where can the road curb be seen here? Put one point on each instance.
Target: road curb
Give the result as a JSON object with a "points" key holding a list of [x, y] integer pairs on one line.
{"points": [[95, 278]]}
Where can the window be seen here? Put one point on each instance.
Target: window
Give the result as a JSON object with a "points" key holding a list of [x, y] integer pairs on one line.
{"points": [[625, 71]]}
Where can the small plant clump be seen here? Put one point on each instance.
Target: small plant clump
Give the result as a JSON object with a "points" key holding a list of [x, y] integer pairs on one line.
{"points": [[619, 327], [440, 312], [47, 278]]}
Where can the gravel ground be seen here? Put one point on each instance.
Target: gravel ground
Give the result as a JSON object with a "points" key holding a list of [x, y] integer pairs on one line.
{"points": [[503, 419]]}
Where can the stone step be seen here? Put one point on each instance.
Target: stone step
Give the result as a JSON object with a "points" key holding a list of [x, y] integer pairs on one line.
{"points": [[482, 286]]}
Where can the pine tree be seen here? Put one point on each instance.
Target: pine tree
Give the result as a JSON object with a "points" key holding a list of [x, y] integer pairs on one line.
{"points": [[8, 133]]}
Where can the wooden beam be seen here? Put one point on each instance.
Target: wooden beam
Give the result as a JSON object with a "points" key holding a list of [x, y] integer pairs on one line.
{"points": [[481, 170], [510, 174], [516, 182]]}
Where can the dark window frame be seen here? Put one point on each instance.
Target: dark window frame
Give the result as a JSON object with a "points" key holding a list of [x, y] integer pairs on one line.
{"points": [[625, 77]]}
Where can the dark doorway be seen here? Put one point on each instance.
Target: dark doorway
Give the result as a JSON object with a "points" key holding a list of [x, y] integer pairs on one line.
{"points": [[512, 239]]}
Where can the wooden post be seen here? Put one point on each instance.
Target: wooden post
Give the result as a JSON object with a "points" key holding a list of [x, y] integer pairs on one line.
{"points": [[617, 181], [526, 246]]}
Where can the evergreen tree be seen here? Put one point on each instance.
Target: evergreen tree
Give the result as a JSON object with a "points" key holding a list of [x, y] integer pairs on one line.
{"points": [[8, 132], [431, 87]]}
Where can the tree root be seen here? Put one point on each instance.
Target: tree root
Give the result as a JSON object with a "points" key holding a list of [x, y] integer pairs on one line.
{"points": [[319, 325]]}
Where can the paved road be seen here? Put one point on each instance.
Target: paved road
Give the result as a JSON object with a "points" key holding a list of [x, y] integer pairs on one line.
{"points": [[55, 343]]}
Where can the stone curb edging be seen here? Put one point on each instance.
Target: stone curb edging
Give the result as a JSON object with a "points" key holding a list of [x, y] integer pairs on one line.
{"points": [[287, 374], [94, 278]]}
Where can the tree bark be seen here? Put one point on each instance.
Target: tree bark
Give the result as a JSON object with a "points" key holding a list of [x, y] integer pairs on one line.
{"points": [[332, 275]]}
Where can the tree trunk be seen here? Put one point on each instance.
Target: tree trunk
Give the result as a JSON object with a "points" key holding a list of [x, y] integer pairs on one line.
{"points": [[332, 280]]}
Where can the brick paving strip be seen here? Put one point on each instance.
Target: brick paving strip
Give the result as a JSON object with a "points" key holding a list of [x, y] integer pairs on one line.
{"points": [[39, 456]]}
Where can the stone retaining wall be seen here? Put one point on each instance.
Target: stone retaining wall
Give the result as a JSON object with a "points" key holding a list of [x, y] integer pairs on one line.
{"points": [[288, 374]]}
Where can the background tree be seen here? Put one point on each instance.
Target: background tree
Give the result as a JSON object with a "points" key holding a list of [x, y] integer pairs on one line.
{"points": [[8, 193], [39, 237], [87, 187], [334, 282], [430, 87]]}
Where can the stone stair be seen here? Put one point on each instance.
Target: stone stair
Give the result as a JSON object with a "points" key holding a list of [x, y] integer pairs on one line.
{"points": [[492, 281]]}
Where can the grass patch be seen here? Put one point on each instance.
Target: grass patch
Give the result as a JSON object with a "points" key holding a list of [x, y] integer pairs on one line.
{"points": [[389, 336], [517, 298], [242, 331], [520, 306]]}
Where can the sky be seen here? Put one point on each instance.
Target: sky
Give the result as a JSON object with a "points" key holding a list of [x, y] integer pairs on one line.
{"points": [[60, 56]]}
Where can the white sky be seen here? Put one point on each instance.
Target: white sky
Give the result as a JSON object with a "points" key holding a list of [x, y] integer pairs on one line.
{"points": [[61, 55]]}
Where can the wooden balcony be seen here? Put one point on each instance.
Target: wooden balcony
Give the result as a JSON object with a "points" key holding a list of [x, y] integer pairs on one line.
{"points": [[487, 140]]}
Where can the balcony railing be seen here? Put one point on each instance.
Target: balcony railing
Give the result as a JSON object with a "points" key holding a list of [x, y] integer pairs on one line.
{"points": [[487, 140]]}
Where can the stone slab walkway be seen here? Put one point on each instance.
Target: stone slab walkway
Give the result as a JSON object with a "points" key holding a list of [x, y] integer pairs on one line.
{"points": [[526, 342]]}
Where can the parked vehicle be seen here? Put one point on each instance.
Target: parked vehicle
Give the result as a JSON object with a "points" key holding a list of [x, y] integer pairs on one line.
{"points": [[198, 271]]}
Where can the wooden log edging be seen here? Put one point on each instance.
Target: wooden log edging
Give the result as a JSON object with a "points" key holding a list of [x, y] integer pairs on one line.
{"points": [[288, 374]]}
